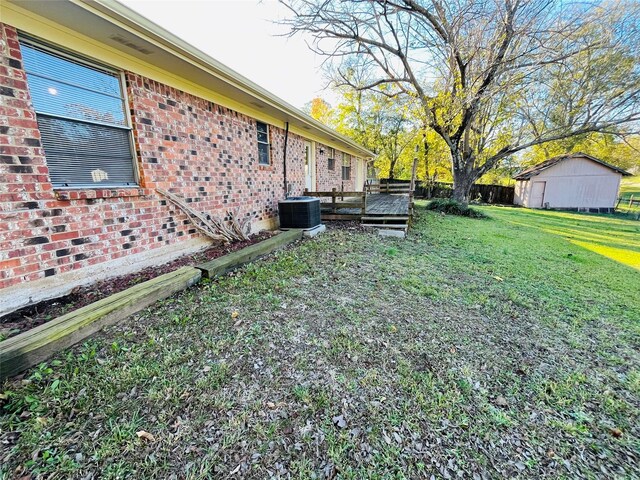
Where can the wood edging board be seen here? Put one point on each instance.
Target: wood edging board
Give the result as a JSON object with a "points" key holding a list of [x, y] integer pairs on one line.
{"points": [[229, 262], [37, 344]]}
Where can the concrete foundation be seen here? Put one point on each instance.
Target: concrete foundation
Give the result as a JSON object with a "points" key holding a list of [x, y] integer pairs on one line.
{"points": [[30, 293], [312, 232], [392, 233]]}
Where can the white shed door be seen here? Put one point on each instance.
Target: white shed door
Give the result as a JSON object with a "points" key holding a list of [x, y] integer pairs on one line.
{"points": [[537, 194]]}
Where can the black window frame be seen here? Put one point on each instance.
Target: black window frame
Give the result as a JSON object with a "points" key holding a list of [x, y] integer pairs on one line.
{"points": [[265, 146], [129, 156]]}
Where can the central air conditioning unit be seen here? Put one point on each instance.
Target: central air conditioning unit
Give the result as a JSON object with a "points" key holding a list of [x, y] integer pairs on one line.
{"points": [[299, 212]]}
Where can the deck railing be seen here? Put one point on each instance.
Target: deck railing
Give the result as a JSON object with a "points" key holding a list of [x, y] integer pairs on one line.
{"points": [[398, 188], [355, 207], [329, 209]]}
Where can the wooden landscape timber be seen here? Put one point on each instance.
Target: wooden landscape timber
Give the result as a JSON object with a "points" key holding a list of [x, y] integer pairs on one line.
{"points": [[37, 344], [225, 264]]}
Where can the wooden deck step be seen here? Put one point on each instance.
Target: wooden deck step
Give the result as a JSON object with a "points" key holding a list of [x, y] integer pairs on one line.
{"points": [[382, 218], [386, 225]]}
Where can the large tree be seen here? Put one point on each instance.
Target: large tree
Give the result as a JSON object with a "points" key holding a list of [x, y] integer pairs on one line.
{"points": [[379, 123], [491, 77]]}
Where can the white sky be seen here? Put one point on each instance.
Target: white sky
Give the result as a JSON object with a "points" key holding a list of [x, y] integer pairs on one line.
{"points": [[241, 34]]}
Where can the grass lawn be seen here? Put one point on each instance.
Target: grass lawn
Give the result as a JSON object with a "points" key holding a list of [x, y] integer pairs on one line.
{"points": [[498, 348], [630, 186]]}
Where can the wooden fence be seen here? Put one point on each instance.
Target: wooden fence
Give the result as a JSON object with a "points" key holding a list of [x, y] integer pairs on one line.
{"points": [[498, 194], [630, 205]]}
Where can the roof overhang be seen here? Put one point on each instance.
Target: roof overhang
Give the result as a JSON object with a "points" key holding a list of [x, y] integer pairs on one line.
{"points": [[547, 164], [114, 25]]}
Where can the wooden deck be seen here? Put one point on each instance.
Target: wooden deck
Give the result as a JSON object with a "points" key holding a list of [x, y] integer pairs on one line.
{"points": [[376, 204], [388, 206]]}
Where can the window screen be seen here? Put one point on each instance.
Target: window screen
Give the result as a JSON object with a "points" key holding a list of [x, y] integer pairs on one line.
{"points": [[81, 116], [263, 143], [331, 160]]}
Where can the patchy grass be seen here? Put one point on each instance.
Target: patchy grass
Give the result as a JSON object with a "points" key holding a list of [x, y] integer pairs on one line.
{"points": [[502, 348]]}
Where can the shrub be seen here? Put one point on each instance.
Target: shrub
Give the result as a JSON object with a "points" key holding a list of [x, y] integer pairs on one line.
{"points": [[452, 207]]}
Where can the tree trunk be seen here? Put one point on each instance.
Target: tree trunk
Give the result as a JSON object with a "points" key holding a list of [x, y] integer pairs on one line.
{"points": [[392, 167], [462, 187], [463, 177]]}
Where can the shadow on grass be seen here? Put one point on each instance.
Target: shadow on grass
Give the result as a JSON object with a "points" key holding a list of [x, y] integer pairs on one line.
{"points": [[610, 236]]}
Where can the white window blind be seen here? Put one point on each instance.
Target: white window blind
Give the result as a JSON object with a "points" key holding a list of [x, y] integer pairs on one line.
{"points": [[82, 119]]}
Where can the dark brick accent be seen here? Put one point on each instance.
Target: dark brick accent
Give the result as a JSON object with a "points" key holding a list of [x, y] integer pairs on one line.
{"points": [[29, 205], [20, 169], [36, 240]]}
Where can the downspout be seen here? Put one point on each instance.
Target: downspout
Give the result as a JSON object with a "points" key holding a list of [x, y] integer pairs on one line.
{"points": [[286, 139]]}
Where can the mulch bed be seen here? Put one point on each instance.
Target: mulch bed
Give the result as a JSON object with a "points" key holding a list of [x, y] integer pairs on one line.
{"points": [[29, 317]]}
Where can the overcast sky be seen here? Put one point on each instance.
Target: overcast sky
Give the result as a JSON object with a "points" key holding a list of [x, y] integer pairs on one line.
{"points": [[241, 34]]}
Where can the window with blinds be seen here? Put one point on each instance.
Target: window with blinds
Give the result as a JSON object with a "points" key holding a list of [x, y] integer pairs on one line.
{"points": [[263, 143], [346, 166], [82, 119]]}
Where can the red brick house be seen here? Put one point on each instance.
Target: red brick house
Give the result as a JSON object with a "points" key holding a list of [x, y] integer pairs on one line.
{"points": [[100, 107]]}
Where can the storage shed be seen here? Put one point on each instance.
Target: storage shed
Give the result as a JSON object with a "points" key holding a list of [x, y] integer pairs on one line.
{"points": [[574, 181]]}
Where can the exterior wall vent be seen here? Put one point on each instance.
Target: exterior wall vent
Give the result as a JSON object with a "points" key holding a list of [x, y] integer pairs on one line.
{"points": [[128, 43]]}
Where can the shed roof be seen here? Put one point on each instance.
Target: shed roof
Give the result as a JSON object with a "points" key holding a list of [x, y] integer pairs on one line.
{"points": [[541, 167]]}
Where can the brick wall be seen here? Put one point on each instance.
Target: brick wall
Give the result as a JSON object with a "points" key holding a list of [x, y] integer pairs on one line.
{"points": [[328, 179], [196, 149]]}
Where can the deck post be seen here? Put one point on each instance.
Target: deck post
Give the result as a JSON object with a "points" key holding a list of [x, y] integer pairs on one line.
{"points": [[412, 186], [333, 200]]}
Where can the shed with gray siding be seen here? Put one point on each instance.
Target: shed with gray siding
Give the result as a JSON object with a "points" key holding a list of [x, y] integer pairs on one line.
{"points": [[575, 181]]}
